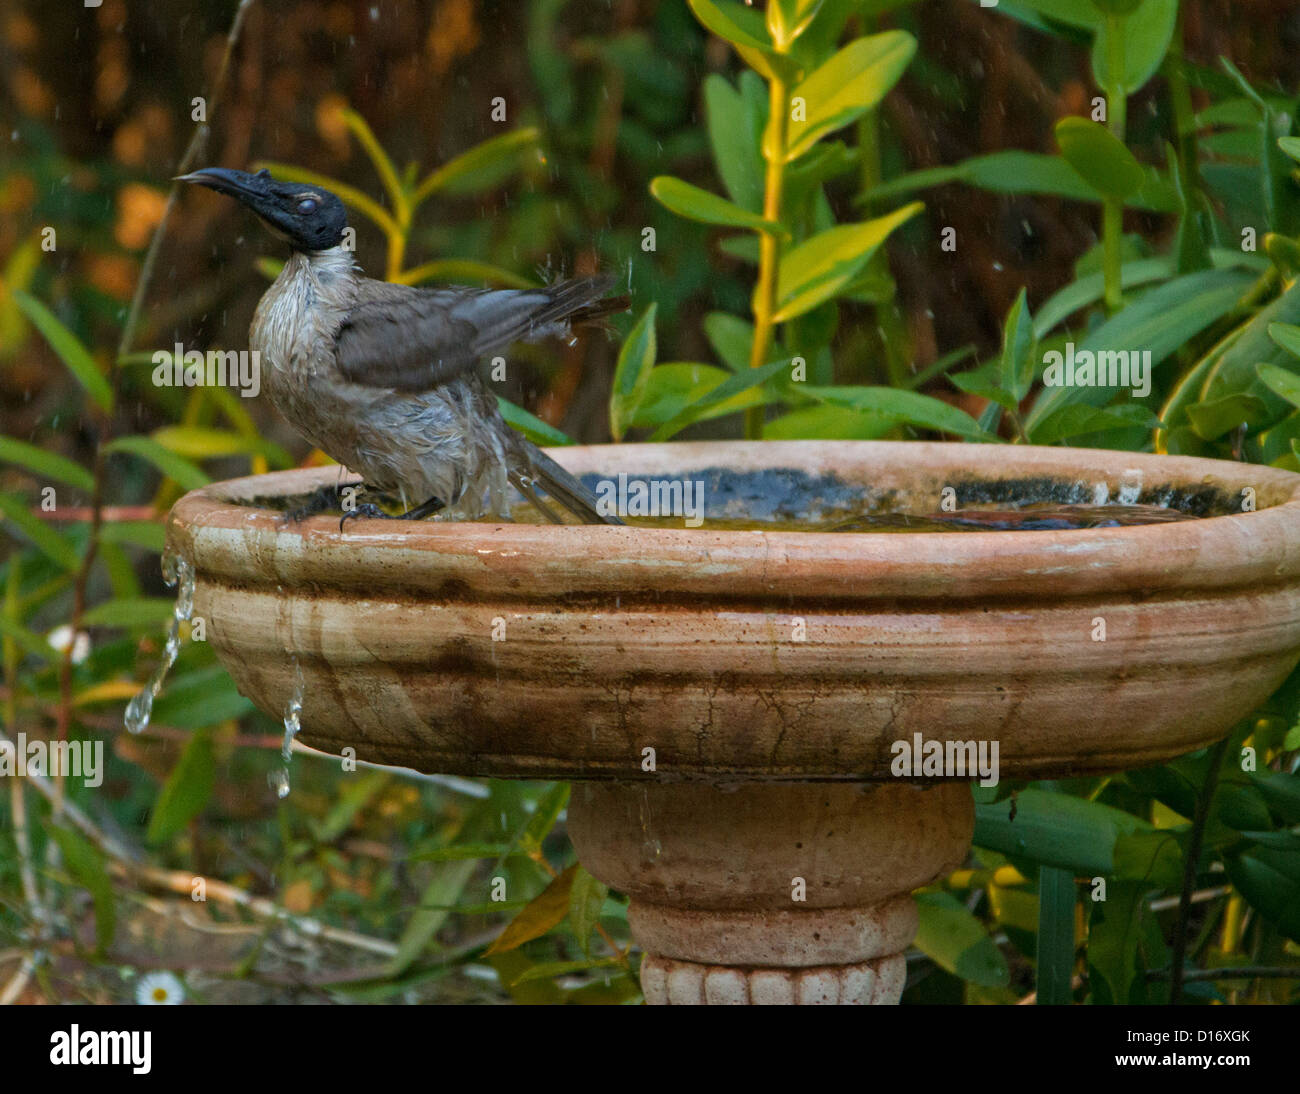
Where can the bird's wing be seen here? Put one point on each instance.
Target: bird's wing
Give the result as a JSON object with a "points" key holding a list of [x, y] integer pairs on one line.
{"points": [[409, 339]]}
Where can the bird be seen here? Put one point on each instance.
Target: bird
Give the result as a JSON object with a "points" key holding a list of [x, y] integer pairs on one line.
{"points": [[384, 378]]}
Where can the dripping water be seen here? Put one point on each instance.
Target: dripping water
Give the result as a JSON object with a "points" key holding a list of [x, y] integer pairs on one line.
{"points": [[179, 573], [279, 779]]}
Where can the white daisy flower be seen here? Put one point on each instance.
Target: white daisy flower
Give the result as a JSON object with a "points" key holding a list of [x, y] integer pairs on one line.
{"points": [[159, 989], [61, 638]]}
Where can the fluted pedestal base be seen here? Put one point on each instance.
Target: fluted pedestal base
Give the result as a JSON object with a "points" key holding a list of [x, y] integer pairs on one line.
{"points": [[778, 893]]}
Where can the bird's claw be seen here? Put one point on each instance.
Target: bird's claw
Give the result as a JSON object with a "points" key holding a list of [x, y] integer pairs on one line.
{"points": [[364, 509]]}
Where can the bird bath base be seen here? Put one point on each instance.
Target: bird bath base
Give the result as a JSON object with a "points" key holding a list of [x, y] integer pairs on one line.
{"points": [[768, 848], [771, 892]]}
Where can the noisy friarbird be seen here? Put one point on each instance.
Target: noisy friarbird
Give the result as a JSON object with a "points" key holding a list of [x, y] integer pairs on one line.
{"points": [[384, 378]]}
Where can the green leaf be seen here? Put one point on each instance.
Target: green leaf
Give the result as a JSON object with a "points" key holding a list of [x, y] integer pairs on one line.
{"points": [[549, 807], [1213, 418], [1014, 172], [137, 612], [544, 912], [1085, 291], [1162, 321], [731, 338], [357, 793], [29, 641], [200, 698], [458, 851], [46, 464], [67, 346], [438, 897], [136, 533], [1018, 349], [904, 406], [1153, 858], [1237, 370], [1286, 335], [43, 537], [847, 86], [549, 970], [734, 393], [539, 432], [1073, 13], [86, 863], [1099, 157], [1147, 34], [820, 267], [483, 167], [464, 271], [1281, 792], [586, 899], [384, 168], [955, 940], [1270, 882], [200, 443], [1056, 830], [636, 359], [1114, 931], [676, 387], [1291, 146], [1074, 420], [727, 22], [695, 204], [175, 467], [187, 789], [787, 19], [743, 28], [1054, 958], [828, 423], [734, 133]]}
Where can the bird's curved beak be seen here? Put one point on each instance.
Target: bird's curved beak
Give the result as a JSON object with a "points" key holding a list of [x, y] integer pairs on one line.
{"points": [[250, 189]]}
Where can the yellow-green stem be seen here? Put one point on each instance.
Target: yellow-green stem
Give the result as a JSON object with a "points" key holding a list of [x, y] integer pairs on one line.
{"points": [[1112, 236], [769, 252], [397, 248]]}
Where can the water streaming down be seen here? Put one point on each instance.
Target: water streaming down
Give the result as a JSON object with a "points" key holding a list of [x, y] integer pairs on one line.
{"points": [[279, 779], [177, 572]]}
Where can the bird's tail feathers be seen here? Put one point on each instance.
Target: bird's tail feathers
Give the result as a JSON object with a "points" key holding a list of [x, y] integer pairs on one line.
{"points": [[538, 468], [579, 300]]}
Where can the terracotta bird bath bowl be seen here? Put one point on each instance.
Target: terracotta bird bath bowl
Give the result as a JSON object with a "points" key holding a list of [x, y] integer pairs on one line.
{"points": [[730, 702]]}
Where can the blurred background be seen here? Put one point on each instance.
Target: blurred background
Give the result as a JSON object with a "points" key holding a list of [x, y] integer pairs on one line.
{"points": [[97, 108]]}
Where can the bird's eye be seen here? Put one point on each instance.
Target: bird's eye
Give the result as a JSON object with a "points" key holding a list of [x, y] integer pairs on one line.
{"points": [[307, 205]]}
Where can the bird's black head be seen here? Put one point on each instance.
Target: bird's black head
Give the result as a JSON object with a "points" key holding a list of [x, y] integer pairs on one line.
{"points": [[307, 217]]}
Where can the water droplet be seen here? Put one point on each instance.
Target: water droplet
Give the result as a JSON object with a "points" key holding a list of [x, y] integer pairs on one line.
{"points": [[279, 780], [176, 571]]}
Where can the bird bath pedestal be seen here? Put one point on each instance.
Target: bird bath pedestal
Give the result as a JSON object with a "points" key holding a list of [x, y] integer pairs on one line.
{"points": [[728, 703]]}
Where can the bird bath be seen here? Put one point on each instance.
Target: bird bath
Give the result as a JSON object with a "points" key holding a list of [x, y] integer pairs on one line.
{"points": [[729, 703]]}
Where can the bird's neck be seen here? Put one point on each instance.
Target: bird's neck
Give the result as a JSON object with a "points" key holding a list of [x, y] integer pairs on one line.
{"points": [[333, 264], [318, 279]]}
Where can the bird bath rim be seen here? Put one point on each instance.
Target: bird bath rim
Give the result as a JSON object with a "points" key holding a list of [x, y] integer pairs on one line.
{"points": [[680, 639]]}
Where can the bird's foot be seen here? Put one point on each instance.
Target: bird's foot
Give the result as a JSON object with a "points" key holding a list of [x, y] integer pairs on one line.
{"points": [[323, 499], [364, 509]]}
